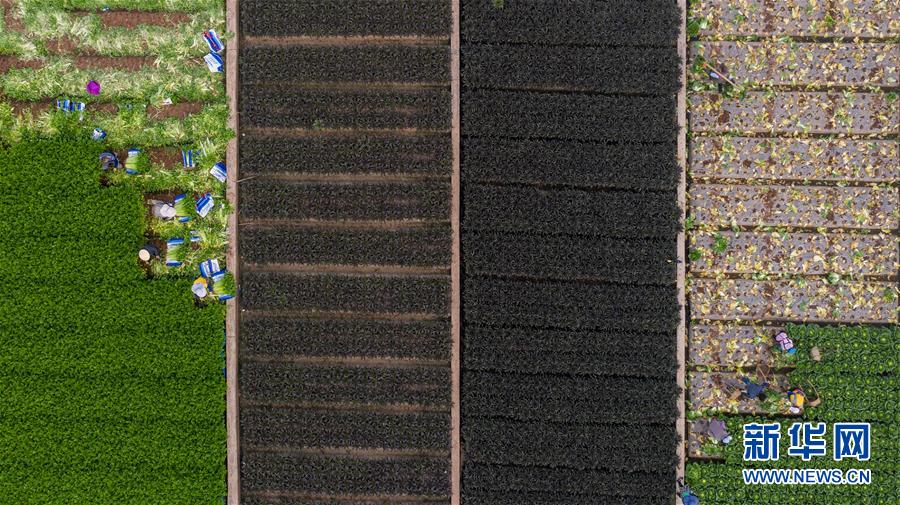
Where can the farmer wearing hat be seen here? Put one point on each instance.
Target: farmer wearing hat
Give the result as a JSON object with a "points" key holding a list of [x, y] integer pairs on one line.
{"points": [[798, 399], [162, 210], [148, 252]]}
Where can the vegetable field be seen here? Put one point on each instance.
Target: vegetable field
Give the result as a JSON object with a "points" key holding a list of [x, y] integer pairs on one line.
{"points": [[112, 383], [345, 250], [857, 382], [111, 373], [569, 225], [793, 210]]}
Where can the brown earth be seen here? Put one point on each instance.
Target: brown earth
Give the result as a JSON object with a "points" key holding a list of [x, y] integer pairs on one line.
{"points": [[131, 63], [61, 45], [8, 63], [166, 156], [179, 110], [133, 19], [12, 23]]}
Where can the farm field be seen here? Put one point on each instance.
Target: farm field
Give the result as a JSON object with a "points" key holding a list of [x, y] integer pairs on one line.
{"points": [[345, 250], [569, 221], [112, 372], [793, 208]]}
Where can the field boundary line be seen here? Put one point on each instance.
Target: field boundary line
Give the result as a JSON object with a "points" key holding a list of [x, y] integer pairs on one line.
{"points": [[681, 426], [455, 276], [233, 461]]}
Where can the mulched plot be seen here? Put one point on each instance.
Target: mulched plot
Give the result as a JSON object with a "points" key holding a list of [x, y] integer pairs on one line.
{"points": [[789, 159], [842, 18], [800, 206], [794, 253], [813, 299], [730, 345], [800, 63], [795, 112], [568, 257], [714, 390]]}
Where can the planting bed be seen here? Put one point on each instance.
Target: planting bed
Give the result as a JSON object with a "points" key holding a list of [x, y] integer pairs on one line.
{"points": [[345, 249], [569, 224], [112, 376], [112, 384]]}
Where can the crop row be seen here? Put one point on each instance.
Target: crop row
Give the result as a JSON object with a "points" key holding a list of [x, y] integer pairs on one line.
{"points": [[631, 448], [798, 18], [517, 209], [815, 64], [650, 70], [364, 63], [273, 107], [345, 17], [568, 351], [353, 293], [616, 22], [570, 399], [637, 261], [576, 116], [346, 155], [409, 246], [270, 199], [277, 427], [747, 299], [650, 166], [113, 443], [344, 475], [816, 112], [794, 253], [860, 350], [345, 337], [574, 483], [289, 382], [806, 206], [730, 345], [793, 158], [569, 305]]}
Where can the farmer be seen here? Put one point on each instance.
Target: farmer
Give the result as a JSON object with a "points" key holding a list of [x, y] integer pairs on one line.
{"points": [[754, 390], [148, 252], [108, 160], [200, 288], [718, 431], [687, 496], [162, 210], [797, 398], [785, 342]]}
